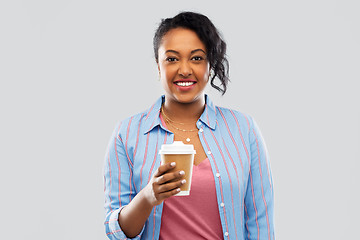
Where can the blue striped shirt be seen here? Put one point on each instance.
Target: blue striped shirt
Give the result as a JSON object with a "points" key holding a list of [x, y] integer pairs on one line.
{"points": [[239, 161]]}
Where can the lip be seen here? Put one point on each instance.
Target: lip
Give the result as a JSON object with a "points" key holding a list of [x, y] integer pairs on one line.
{"points": [[184, 80], [184, 88]]}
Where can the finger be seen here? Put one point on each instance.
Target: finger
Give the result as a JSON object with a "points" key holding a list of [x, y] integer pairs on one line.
{"points": [[167, 177], [164, 168], [168, 194], [168, 187]]}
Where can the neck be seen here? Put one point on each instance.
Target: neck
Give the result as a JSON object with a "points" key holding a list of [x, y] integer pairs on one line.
{"points": [[184, 112]]}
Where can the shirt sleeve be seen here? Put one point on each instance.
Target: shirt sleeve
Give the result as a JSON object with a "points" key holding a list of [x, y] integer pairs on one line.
{"points": [[259, 198], [118, 183]]}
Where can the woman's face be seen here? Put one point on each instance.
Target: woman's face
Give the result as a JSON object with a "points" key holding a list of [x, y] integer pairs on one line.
{"points": [[183, 66]]}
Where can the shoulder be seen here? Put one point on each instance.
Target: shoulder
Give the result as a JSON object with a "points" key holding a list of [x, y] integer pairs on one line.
{"points": [[141, 120], [123, 126], [234, 117]]}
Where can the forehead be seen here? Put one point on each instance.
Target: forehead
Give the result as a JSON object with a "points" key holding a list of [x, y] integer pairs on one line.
{"points": [[181, 39]]}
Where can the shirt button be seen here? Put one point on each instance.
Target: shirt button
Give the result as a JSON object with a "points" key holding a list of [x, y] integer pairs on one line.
{"points": [[201, 130], [217, 174], [199, 123], [209, 152], [222, 204], [226, 234]]}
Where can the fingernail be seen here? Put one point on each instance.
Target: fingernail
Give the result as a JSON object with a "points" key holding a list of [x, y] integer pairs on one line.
{"points": [[173, 164], [181, 172], [178, 190], [183, 181]]}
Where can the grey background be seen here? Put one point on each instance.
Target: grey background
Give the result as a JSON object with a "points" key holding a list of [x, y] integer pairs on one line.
{"points": [[70, 70]]}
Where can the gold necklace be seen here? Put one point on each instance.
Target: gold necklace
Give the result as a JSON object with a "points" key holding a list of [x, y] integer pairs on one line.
{"points": [[162, 110], [188, 139], [168, 120], [180, 129]]}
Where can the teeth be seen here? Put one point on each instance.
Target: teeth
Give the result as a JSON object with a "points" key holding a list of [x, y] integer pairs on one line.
{"points": [[184, 84]]}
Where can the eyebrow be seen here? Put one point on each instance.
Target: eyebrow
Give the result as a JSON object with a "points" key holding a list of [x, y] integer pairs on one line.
{"points": [[193, 51]]}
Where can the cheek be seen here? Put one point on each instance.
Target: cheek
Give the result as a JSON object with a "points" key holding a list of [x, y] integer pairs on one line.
{"points": [[165, 76], [167, 73], [203, 73]]}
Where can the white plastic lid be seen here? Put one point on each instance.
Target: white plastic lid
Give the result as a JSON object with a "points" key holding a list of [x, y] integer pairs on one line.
{"points": [[177, 147]]}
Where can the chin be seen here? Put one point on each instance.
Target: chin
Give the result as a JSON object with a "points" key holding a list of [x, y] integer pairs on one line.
{"points": [[187, 98]]}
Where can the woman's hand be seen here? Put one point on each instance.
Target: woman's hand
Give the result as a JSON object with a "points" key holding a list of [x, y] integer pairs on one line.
{"points": [[164, 184]]}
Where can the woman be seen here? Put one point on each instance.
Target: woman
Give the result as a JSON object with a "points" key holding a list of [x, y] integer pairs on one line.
{"points": [[231, 193]]}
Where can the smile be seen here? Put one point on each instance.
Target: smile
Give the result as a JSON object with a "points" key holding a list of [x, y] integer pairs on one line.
{"points": [[184, 84]]}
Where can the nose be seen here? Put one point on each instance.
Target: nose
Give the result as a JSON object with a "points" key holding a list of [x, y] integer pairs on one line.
{"points": [[185, 69]]}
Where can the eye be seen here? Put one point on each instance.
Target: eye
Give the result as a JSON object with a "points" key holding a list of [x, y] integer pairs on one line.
{"points": [[171, 59], [197, 58]]}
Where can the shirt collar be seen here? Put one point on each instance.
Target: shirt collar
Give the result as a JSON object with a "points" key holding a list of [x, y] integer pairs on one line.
{"points": [[208, 117], [152, 118]]}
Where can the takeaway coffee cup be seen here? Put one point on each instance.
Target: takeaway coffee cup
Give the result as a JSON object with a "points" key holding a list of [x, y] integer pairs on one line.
{"points": [[183, 155]]}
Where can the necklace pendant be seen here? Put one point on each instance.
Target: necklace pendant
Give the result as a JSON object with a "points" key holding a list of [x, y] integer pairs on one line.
{"points": [[188, 139]]}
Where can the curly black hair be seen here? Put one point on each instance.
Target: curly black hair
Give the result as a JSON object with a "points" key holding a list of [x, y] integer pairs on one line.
{"points": [[208, 34]]}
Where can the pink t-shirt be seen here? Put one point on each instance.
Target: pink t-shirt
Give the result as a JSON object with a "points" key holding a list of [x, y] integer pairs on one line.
{"points": [[195, 216]]}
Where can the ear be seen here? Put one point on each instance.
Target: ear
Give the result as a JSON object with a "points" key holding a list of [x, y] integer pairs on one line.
{"points": [[210, 73], [158, 66]]}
